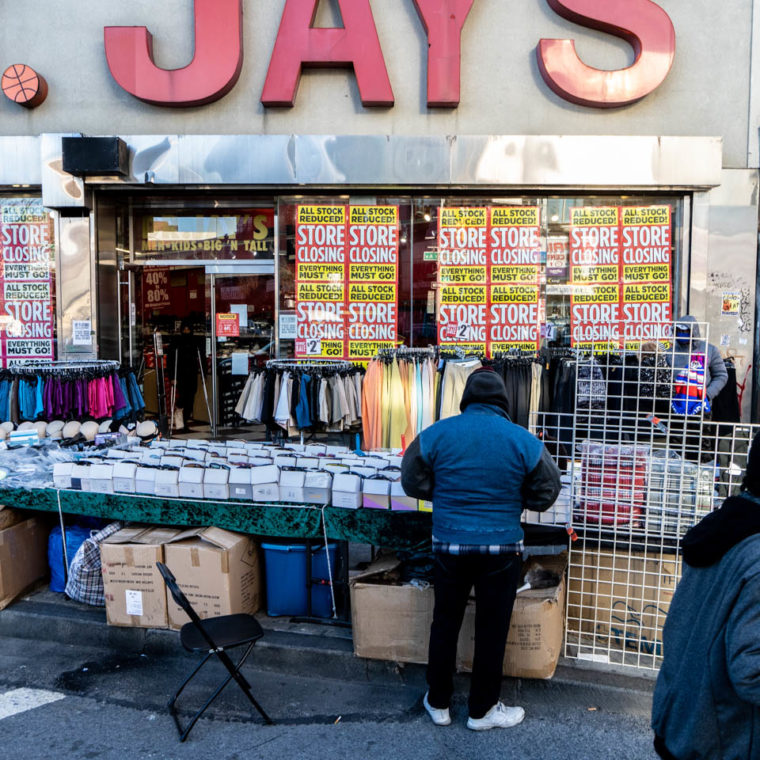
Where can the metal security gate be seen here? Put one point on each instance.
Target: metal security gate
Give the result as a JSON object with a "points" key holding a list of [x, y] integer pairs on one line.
{"points": [[642, 462]]}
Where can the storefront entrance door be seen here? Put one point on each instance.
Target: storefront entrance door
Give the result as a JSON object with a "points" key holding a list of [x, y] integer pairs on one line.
{"points": [[214, 325], [243, 337]]}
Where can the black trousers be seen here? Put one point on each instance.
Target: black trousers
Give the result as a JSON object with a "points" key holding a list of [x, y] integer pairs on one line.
{"points": [[495, 578]]}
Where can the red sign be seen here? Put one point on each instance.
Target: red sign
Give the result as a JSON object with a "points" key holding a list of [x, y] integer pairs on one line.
{"points": [[620, 269], [27, 311], [346, 281], [488, 278], [218, 58], [155, 288], [227, 325]]}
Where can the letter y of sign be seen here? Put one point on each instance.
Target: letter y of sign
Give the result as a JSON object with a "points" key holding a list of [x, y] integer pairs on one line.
{"points": [[211, 74]]}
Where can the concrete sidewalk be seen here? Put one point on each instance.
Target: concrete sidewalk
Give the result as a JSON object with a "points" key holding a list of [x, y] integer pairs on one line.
{"points": [[312, 649], [112, 685]]}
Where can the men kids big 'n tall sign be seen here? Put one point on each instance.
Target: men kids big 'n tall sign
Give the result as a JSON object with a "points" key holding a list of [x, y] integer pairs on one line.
{"points": [[218, 57]]}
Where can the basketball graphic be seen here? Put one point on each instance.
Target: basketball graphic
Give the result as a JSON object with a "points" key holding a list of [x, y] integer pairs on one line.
{"points": [[23, 85]]}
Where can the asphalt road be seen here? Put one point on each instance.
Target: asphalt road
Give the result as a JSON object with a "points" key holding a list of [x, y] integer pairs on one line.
{"points": [[97, 703]]}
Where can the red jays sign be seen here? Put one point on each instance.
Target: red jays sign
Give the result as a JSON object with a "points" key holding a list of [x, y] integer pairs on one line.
{"points": [[218, 58]]}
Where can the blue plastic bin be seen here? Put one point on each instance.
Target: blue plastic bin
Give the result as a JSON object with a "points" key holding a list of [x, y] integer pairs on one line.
{"points": [[285, 566]]}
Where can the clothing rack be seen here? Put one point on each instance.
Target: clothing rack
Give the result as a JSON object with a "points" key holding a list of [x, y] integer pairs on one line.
{"points": [[425, 352], [337, 364], [35, 367]]}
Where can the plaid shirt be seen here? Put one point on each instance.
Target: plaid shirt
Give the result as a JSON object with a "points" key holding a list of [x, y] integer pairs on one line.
{"points": [[85, 583], [444, 547]]}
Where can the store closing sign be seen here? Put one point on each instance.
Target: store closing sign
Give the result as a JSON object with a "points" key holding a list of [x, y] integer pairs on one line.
{"points": [[621, 271], [218, 58], [488, 278], [346, 281], [27, 310]]}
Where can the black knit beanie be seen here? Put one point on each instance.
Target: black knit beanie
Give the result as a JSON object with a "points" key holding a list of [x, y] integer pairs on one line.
{"points": [[484, 386], [751, 480]]}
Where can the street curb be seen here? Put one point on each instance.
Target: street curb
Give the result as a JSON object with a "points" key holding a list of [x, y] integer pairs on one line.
{"points": [[313, 650]]}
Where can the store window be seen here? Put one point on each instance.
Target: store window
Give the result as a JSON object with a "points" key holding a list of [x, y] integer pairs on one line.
{"points": [[27, 320], [507, 274], [345, 276], [487, 276]]}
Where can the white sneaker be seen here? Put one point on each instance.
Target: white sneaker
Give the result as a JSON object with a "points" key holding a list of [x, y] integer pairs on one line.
{"points": [[439, 717], [499, 716]]}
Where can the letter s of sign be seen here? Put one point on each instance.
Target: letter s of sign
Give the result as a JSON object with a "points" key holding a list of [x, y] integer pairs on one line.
{"points": [[642, 23], [300, 44], [211, 74]]}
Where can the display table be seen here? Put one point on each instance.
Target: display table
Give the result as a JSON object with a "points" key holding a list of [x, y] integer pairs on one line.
{"points": [[393, 530]]}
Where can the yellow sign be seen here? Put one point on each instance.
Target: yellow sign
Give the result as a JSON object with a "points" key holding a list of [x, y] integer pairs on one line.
{"points": [[321, 215]]}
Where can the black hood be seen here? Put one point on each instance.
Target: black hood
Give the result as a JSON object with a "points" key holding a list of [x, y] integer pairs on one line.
{"points": [[719, 532], [738, 518], [484, 386]]}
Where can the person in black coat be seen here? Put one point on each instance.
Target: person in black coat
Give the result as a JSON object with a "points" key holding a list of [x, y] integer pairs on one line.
{"points": [[186, 355]]}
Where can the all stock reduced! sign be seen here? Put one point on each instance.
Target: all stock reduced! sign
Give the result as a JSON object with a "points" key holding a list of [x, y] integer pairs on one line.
{"points": [[346, 281], [488, 278], [27, 313], [621, 275]]}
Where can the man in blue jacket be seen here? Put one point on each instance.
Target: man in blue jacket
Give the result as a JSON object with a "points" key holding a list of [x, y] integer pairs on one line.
{"points": [[481, 471], [707, 698]]}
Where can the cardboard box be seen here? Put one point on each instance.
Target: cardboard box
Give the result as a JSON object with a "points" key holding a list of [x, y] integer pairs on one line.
{"points": [[240, 483], [145, 480], [191, 482], [620, 601], [216, 483], [23, 555], [62, 474], [80, 476], [266, 483], [101, 478], [400, 502], [536, 628], [317, 488], [167, 483], [135, 593], [124, 476], [217, 570], [10, 517], [376, 493], [347, 491], [392, 622], [291, 486]]}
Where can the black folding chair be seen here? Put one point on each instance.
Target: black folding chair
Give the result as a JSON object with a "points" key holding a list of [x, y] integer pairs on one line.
{"points": [[214, 636]]}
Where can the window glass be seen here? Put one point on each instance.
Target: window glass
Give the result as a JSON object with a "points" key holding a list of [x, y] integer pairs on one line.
{"points": [[245, 235]]}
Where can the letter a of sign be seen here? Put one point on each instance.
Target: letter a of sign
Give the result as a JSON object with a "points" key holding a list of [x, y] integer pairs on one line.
{"points": [[211, 74], [443, 20], [299, 44], [642, 23]]}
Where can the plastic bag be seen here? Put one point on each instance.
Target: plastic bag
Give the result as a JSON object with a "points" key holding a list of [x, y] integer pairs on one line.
{"points": [[85, 582], [75, 537]]}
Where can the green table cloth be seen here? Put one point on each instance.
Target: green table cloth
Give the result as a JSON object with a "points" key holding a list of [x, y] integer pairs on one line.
{"points": [[394, 530]]}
